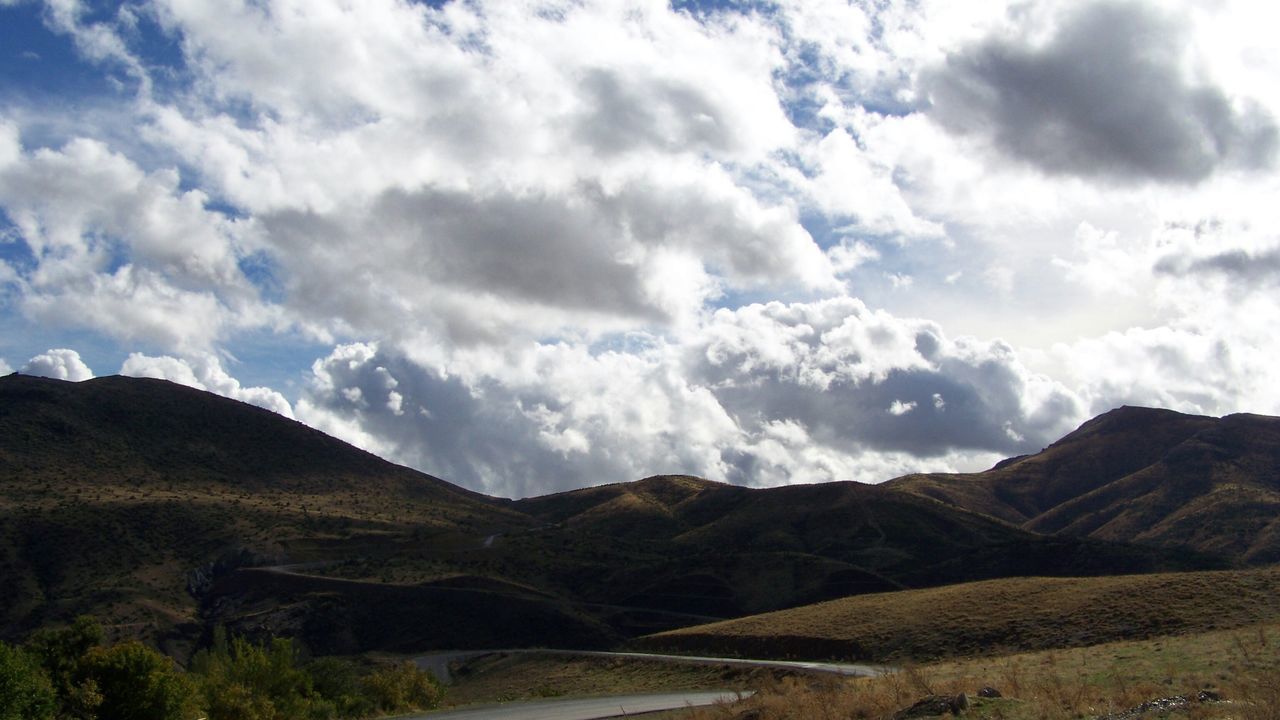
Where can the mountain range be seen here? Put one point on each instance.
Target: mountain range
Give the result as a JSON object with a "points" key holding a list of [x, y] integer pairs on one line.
{"points": [[166, 511]]}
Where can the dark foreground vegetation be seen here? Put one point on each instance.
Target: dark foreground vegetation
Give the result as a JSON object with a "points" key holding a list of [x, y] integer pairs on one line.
{"points": [[70, 674]]}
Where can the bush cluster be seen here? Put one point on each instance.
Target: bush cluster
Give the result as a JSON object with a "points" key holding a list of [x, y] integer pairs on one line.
{"points": [[69, 674]]}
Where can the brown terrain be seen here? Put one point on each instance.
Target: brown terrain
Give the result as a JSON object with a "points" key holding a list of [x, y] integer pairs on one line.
{"points": [[165, 511]]}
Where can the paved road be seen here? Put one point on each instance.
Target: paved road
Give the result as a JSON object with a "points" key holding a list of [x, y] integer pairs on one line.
{"points": [[583, 709], [438, 663]]}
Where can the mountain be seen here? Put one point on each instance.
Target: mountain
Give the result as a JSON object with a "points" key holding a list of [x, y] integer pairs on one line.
{"points": [[166, 510], [1138, 475], [115, 491]]}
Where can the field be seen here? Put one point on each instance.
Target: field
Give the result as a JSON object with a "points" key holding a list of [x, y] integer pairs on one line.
{"points": [[1242, 666], [992, 617]]}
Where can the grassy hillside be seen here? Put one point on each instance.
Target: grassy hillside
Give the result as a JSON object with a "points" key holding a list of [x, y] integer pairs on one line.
{"points": [[1141, 475], [114, 492], [155, 507], [1110, 680], [991, 617]]}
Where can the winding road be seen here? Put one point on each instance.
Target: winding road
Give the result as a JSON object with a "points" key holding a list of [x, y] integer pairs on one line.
{"points": [[621, 705], [584, 708], [438, 663]]}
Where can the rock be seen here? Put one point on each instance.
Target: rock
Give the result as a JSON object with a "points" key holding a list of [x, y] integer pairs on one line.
{"points": [[935, 705], [989, 692], [1208, 696], [1159, 705]]}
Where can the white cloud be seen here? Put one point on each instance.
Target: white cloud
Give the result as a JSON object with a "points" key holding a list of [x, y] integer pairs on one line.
{"points": [[4, 367], [204, 372], [765, 395], [897, 407], [60, 364], [122, 251], [561, 244]]}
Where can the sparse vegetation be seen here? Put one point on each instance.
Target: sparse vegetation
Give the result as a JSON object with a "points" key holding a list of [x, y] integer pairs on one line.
{"points": [[1240, 666], [992, 617]]}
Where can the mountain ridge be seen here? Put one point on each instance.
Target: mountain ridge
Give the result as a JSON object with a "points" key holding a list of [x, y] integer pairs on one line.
{"points": [[158, 507], [1142, 475]]}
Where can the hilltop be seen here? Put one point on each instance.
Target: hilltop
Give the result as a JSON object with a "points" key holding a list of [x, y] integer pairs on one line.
{"points": [[1139, 475]]}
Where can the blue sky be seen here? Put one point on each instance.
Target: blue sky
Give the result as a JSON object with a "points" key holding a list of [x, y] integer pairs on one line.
{"points": [[534, 246]]}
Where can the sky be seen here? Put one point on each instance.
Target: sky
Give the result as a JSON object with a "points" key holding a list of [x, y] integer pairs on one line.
{"points": [[533, 246]]}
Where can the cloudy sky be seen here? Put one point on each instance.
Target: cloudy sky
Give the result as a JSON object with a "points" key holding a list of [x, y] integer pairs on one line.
{"points": [[528, 246]]}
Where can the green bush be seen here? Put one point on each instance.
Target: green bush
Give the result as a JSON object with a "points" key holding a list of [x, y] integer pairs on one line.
{"points": [[243, 681], [402, 687], [60, 652], [25, 690], [339, 685], [137, 683]]}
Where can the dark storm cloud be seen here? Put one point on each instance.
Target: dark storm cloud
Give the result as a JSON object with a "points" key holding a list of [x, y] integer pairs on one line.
{"points": [[1105, 97]]}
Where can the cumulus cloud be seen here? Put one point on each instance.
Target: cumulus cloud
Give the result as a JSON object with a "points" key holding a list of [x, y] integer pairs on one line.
{"points": [[491, 169], [204, 372], [543, 240], [4, 367], [122, 251], [560, 419], [836, 365], [1105, 95], [474, 266], [60, 364], [764, 395]]}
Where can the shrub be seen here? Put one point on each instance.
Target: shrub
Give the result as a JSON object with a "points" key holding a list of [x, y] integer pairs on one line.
{"points": [[137, 683], [25, 690], [402, 687], [243, 681], [60, 652], [338, 683]]}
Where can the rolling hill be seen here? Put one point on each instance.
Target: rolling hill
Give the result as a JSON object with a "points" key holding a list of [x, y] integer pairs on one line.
{"points": [[991, 617], [166, 510], [1139, 475]]}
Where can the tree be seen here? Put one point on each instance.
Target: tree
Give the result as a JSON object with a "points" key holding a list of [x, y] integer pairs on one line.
{"points": [[60, 652], [243, 681], [25, 690], [338, 683], [137, 683]]}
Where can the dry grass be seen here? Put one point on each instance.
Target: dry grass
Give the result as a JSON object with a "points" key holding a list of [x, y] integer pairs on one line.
{"points": [[993, 617], [1242, 665]]}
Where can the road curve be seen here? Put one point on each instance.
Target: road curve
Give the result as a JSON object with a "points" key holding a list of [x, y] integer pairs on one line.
{"points": [[584, 708], [438, 663]]}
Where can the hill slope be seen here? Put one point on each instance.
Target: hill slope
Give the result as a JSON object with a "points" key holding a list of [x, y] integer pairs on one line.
{"points": [[1140, 475], [164, 510], [114, 491], [992, 616], [730, 550]]}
